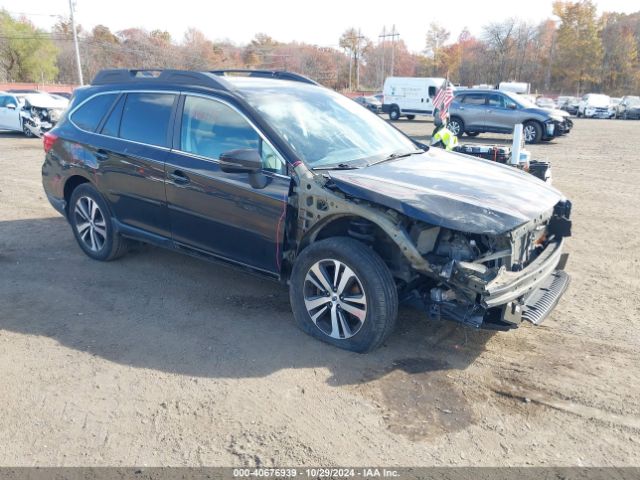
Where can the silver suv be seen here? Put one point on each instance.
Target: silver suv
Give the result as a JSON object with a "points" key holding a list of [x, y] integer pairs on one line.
{"points": [[479, 111]]}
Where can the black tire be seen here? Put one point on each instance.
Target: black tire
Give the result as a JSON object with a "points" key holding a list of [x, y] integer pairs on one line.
{"points": [[473, 134], [411, 117], [578, 114], [113, 245], [456, 126], [371, 275], [536, 130], [394, 113]]}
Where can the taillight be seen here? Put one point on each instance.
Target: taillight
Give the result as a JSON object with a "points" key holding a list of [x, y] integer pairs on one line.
{"points": [[48, 140]]}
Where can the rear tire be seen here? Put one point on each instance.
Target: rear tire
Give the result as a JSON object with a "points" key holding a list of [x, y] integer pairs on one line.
{"points": [[456, 126], [411, 117], [354, 308], [90, 219], [473, 134], [532, 132]]}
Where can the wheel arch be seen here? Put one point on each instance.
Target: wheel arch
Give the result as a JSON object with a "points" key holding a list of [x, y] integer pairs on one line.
{"points": [[365, 230], [73, 182]]}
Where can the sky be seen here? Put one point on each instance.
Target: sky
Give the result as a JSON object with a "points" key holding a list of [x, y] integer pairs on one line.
{"points": [[320, 23]]}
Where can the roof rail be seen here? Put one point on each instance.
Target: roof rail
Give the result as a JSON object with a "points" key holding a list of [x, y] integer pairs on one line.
{"points": [[181, 77], [279, 74]]}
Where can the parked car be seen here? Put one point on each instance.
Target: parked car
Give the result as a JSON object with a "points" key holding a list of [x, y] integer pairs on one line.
{"points": [[479, 111], [30, 113], [66, 95], [570, 105], [629, 107], [410, 96], [369, 102], [294, 181], [613, 106], [594, 105], [545, 102]]}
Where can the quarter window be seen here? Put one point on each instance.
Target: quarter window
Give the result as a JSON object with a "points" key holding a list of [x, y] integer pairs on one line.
{"points": [[88, 116], [145, 118]]}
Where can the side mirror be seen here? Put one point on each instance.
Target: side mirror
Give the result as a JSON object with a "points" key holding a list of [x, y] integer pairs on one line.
{"points": [[511, 106], [245, 160], [12, 106], [242, 160]]}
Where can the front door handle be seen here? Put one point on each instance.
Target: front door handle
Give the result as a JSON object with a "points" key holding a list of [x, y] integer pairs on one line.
{"points": [[179, 177]]}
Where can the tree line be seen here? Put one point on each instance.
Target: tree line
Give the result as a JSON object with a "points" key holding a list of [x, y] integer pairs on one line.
{"points": [[576, 52]]}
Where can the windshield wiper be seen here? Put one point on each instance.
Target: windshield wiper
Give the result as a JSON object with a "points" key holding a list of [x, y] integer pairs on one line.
{"points": [[339, 166], [395, 156]]}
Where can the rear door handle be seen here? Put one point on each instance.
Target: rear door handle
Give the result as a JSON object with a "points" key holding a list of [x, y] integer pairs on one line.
{"points": [[179, 177], [102, 154]]}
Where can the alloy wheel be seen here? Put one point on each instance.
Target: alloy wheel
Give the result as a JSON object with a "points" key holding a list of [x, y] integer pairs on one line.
{"points": [[454, 127], [529, 133], [90, 224], [335, 299]]}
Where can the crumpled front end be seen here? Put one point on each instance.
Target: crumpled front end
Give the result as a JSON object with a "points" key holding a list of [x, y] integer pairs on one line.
{"points": [[495, 282], [39, 120]]}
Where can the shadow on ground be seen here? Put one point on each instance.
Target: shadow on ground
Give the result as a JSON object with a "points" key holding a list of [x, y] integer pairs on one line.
{"points": [[161, 310]]}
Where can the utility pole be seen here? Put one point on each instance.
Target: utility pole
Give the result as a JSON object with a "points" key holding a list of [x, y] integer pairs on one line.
{"points": [[355, 53], [384, 32], [75, 41], [393, 34]]}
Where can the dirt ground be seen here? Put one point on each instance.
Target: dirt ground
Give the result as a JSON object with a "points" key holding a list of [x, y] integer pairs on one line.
{"points": [[161, 359]]}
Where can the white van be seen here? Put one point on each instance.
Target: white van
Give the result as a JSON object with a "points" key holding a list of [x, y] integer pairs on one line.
{"points": [[409, 96]]}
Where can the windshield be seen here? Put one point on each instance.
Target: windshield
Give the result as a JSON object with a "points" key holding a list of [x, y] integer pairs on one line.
{"points": [[520, 101], [633, 101], [326, 128]]}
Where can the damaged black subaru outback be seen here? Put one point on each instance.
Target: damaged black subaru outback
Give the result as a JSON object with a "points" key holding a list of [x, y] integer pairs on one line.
{"points": [[274, 173]]}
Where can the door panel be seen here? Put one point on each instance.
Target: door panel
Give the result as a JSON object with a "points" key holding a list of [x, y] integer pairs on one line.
{"points": [[222, 214], [218, 212], [499, 118], [473, 111], [132, 173]]}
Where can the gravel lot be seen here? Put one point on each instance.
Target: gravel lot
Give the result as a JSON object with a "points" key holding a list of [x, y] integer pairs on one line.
{"points": [[161, 359]]}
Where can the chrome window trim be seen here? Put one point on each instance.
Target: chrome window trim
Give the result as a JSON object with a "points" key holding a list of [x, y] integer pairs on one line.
{"points": [[118, 92], [178, 150]]}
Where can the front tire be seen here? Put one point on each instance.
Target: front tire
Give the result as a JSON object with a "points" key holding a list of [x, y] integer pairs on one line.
{"points": [[26, 130], [90, 220], [394, 113], [532, 132], [473, 134], [342, 293]]}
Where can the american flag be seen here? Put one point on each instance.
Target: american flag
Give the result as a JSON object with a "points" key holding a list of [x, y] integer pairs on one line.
{"points": [[443, 100]]}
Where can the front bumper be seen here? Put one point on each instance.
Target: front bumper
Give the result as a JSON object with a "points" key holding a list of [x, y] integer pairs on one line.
{"points": [[512, 296]]}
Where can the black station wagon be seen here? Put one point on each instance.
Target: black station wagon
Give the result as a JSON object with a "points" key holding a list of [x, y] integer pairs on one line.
{"points": [[272, 172]]}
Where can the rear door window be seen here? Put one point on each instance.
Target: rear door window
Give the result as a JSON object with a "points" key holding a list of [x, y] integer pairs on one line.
{"points": [[474, 99], [89, 115], [145, 118]]}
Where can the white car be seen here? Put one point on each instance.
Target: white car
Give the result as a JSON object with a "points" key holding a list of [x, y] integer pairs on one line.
{"points": [[594, 105], [30, 113]]}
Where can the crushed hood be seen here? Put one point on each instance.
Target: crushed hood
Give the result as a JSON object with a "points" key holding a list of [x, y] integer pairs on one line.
{"points": [[452, 190], [39, 100]]}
